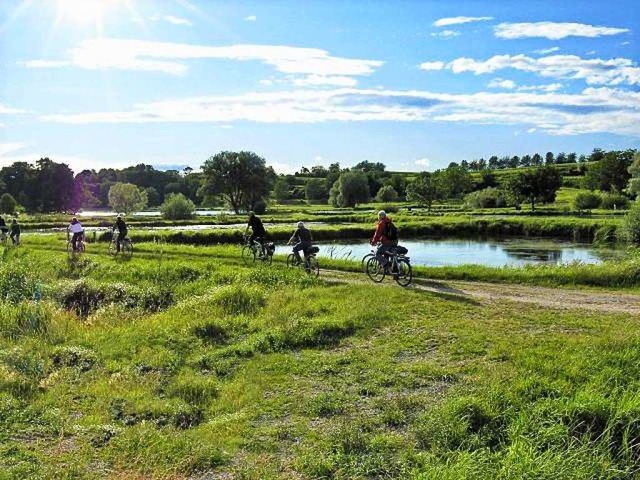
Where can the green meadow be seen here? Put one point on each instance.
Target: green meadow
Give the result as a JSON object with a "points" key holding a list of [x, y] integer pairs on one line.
{"points": [[185, 363]]}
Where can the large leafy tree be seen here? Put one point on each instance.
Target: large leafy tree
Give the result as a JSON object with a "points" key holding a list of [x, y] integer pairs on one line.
{"points": [[55, 185], [634, 170], [351, 188], [242, 179], [536, 186], [127, 198], [424, 189], [455, 181], [316, 191], [611, 174]]}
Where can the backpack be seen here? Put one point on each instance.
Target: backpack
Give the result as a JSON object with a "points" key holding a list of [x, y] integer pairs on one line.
{"points": [[390, 231]]}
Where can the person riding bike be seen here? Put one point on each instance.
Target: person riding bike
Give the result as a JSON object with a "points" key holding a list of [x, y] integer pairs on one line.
{"points": [[387, 235], [78, 232], [302, 237], [3, 226], [15, 232], [258, 233], [121, 227]]}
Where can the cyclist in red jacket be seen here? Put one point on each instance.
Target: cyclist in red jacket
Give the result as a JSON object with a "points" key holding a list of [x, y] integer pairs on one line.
{"points": [[386, 234]]}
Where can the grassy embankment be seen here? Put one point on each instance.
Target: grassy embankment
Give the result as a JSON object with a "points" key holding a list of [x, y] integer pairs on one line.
{"points": [[170, 367]]}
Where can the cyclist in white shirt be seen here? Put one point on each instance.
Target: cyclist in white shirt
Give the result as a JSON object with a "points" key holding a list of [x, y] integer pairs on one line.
{"points": [[77, 230]]}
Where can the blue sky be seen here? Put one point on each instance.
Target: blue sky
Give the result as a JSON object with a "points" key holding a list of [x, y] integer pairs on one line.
{"points": [[413, 84]]}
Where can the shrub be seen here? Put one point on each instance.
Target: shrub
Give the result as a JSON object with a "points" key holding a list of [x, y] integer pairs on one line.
{"points": [[489, 197], [587, 201], [260, 207], [177, 207], [631, 224], [614, 200], [387, 194], [8, 204]]}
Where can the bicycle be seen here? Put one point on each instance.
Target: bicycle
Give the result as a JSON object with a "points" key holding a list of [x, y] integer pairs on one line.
{"points": [[3, 238], [366, 258], [254, 251], [126, 247], [398, 265], [80, 247], [310, 263]]}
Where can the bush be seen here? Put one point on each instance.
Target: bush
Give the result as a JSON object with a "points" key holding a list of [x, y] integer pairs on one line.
{"points": [[587, 201], [8, 204], [177, 207], [489, 197], [260, 207], [387, 194], [614, 200], [631, 224]]}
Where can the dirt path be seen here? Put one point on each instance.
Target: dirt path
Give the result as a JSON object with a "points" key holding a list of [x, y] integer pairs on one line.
{"points": [[560, 298]]}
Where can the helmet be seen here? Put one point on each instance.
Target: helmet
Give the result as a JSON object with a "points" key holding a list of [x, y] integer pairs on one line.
{"points": [[300, 224], [382, 214], [252, 213], [74, 220]]}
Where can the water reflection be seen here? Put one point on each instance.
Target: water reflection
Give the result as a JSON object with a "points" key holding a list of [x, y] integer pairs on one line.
{"points": [[515, 252]]}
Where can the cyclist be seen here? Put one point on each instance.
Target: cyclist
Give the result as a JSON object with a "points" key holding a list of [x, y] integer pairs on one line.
{"points": [[15, 232], [258, 233], [76, 229], [121, 227], [3, 227], [303, 239], [387, 235]]}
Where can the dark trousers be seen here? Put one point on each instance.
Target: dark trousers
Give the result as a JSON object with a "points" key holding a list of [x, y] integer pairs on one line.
{"points": [[121, 236], [75, 238]]}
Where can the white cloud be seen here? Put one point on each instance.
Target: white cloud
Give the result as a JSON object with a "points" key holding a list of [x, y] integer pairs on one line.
{"points": [[177, 20], [251, 18], [423, 162], [594, 110], [432, 66], [501, 83], [104, 53], [444, 22], [6, 148], [283, 168], [551, 87], [553, 30], [625, 43], [546, 51], [446, 34], [594, 71], [333, 80], [5, 110]]}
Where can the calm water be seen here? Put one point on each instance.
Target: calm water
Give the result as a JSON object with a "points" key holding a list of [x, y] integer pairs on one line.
{"points": [[495, 253]]}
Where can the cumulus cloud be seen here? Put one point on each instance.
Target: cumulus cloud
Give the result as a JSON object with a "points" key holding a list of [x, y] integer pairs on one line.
{"points": [[423, 162], [594, 110], [501, 83], [445, 22], [446, 34], [9, 110], [432, 66], [553, 30], [594, 71], [333, 80], [251, 18], [170, 58]]}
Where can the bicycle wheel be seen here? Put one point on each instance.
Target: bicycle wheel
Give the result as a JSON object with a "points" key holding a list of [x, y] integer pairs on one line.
{"points": [[405, 274], [292, 261], [127, 248], [112, 249], [364, 261], [81, 247], [375, 270], [248, 254], [314, 267], [267, 258], [70, 251]]}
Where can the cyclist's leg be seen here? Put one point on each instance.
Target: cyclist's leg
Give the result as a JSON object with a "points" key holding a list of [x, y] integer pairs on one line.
{"points": [[74, 241], [296, 250], [120, 240]]}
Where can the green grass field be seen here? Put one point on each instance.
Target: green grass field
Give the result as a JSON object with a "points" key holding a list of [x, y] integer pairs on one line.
{"points": [[183, 363]]}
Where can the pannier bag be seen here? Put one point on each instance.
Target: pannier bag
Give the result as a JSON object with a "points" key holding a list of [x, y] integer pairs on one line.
{"points": [[271, 247], [400, 250], [312, 250]]}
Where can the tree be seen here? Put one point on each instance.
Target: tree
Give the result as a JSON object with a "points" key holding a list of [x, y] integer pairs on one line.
{"points": [[127, 198], [572, 157], [316, 191], [455, 181], [549, 158], [241, 178], [596, 155], [609, 174], [587, 201], [424, 189], [8, 204], [282, 190], [367, 166], [536, 160], [153, 196], [536, 186], [85, 191], [561, 158], [387, 194], [351, 188], [177, 207], [633, 187]]}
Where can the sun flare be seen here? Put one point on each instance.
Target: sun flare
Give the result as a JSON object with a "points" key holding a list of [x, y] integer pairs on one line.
{"points": [[83, 11]]}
